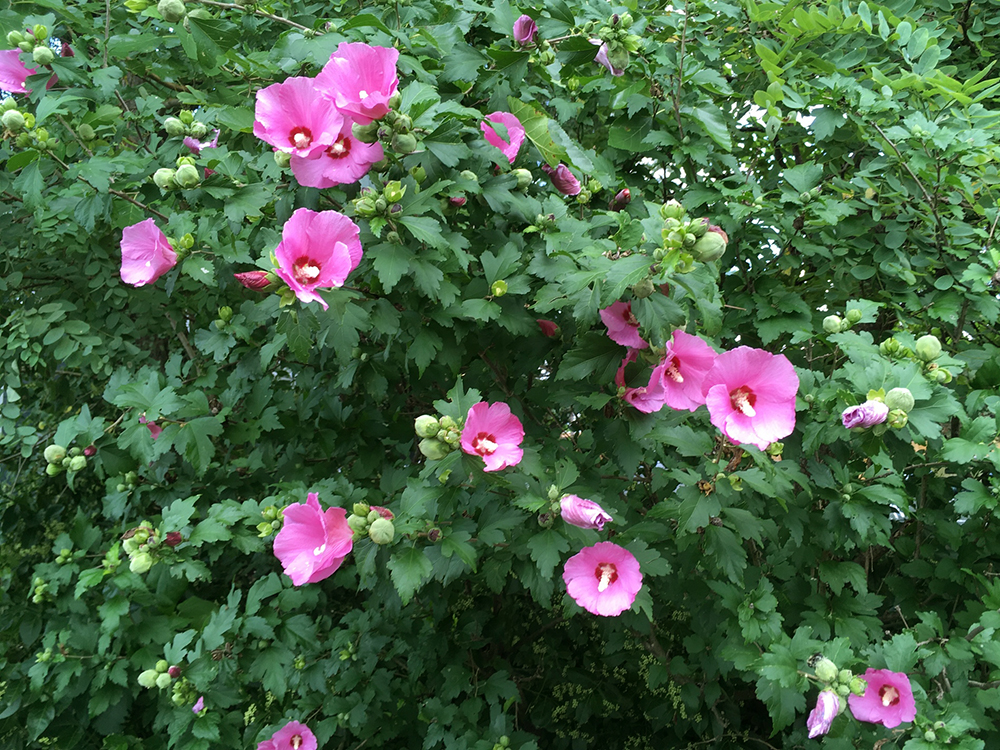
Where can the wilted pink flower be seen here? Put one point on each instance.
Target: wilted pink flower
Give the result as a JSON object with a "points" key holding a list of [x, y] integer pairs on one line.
{"points": [[146, 254], [562, 179], [868, 414], [623, 328], [154, 429], [515, 133], [676, 381], [603, 579], [173, 538], [317, 249], [750, 394], [524, 30], [888, 699], [13, 72], [622, 198], [494, 434], [312, 543], [259, 281], [196, 146], [384, 512], [549, 328], [360, 80], [583, 513], [198, 704], [602, 59], [295, 118], [344, 162], [822, 716]]}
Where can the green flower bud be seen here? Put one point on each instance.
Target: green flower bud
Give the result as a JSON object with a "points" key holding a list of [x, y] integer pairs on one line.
{"points": [[366, 133], [174, 126], [265, 529], [86, 132], [381, 205], [226, 313], [843, 691], [418, 173], [358, 524], [393, 238], [433, 449], [858, 686], [141, 563], [187, 176], [361, 509], [381, 531], [163, 681], [403, 143], [524, 178], [498, 288], [468, 175], [199, 129], [395, 100], [643, 289], [14, 38], [672, 210], [282, 159], [40, 32], [897, 419], [53, 469], [826, 670], [832, 324], [394, 191], [148, 678], [710, 247], [899, 398], [594, 185], [853, 315], [162, 666], [943, 376], [42, 135], [43, 56], [426, 426], [12, 120], [26, 46], [403, 124], [8, 104], [78, 463], [164, 178], [54, 453], [172, 11], [929, 736], [845, 676], [447, 423], [928, 348]]}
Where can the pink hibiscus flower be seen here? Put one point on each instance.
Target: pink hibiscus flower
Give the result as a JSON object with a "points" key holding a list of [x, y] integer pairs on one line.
{"points": [[515, 132], [494, 434], [603, 579], [676, 381], [868, 414], [346, 161], [623, 328], [146, 254], [888, 699], [199, 705], [562, 179], [750, 394], [602, 59], [13, 72], [295, 118], [822, 716], [196, 146], [317, 249], [583, 513], [525, 30], [293, 736], [360, 80], [312, 543]]}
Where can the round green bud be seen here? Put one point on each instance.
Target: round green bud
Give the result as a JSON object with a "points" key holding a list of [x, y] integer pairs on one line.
{"points": [[498, 288], [8, 104], [433, 449], [12, 120], [709, 247], [942, 376], [187, 176], [845, 676], [358, 524], [858, 686], [381, 205], [141, 563], [418, 173], [381, 531], [929, 736], [171, 10], [43, 56], [361, 509], [426, 426], [53, 469], [226, 313], [897, 419], [524, 178], [54, 453], [162, 665], [148, 678], [86, 132], [403, 124], [78, 463], [174, 126], [826, 670], [164, 178], [468, 175], [366, 133], [643, 289], [832, 324], [899, 398], [393, 238], [282, 159], [395, 100], [163, 681], [199, 129], [186, 115], [928, 348], [843, 691], [403, 143], [14, 38], [26, 46], [40, 32], [853, 315]]}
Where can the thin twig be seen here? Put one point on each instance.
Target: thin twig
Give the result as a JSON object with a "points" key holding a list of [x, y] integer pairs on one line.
{"points": [[257, 12], [134, 202], [73, 133], [107, 30], [680, 72], [182, 337]]}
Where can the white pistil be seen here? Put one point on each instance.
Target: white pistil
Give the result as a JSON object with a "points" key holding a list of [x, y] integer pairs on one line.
{"points": [[301, 140], [606, 572], [309, 272], [741, 402], [485, 446], [674, 373], [889, 695]]}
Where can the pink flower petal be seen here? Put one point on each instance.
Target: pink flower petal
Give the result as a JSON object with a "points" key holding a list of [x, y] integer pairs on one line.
{"points": [[295, 118], [317, 249], [888, 699], [623, 328], [515, 132], [360, 79], [621, 582], [494, 434], [146, 254], [312, 544]]}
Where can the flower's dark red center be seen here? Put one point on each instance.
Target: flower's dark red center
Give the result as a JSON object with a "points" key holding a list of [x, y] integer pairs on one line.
{"points": [[743, 400], [628, 317], [889, 695], [606, 573], [340, 149], [296, 741], [301, 137], [305, 270], [673, 370], [484, 444]]}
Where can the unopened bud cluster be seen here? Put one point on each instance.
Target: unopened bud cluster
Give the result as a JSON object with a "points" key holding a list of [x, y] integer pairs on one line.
{"points": [[926, 349], [615, 34], [185, 124], [395, 131], [836, 324], [40, 591], [185, 177], [59, 460], [22, 125], [687, 240], [34, 41], [439, 435], [841, 681], [372, 521], [273, 519], [159, 676], [128, 482], [371, 203], [146, 546]]}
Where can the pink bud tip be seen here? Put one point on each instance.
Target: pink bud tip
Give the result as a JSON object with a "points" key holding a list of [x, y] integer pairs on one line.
{"points": [[256, 280]]}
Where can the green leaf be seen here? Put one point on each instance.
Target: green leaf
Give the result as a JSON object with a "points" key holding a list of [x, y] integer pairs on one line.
{"points": [[536, 129], [178, 513], [546, 548], [409, 569], [195, 439]]}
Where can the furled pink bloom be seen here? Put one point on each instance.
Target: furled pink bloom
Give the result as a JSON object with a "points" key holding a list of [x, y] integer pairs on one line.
{"points": [[154, 429], [583, 513], [90, 450], [344, 162], [525, 30], [259, 281], [312, 543], [494, 434], [888, 699], [868, 414], [822, 716], [146, 254], [13, 72], [360, 80], [549, 328], [457, 201], [196, 146], [515, 133], [677, 380], [199, 705], [623, 328], [750, 394], [317, 249], [602, 59], [295, 118], [387, 514], [622, 198], [603, 579], [293, 736], [562, 179]]}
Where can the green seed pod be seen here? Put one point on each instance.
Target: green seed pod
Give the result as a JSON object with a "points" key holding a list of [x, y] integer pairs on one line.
{"points": [[899, 398], [381, 531], [43, 56], [832, 324], [928, 348], [54, 453], [12, 120], [426, 426], [172, 11], [187, 176]]}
